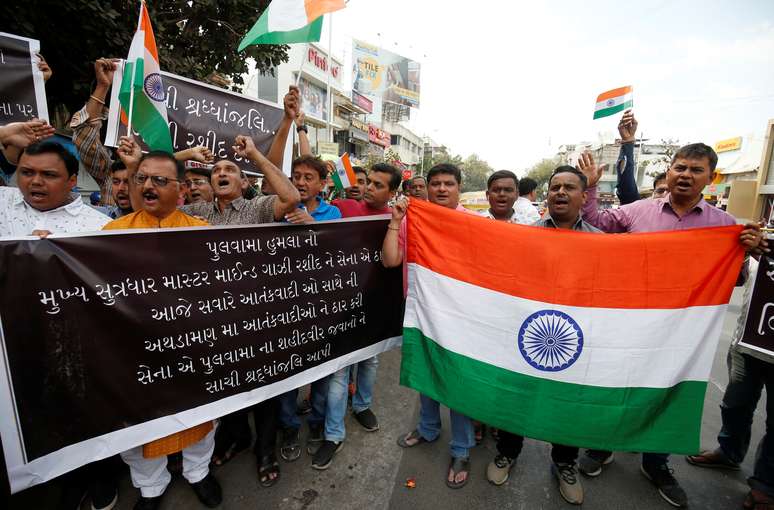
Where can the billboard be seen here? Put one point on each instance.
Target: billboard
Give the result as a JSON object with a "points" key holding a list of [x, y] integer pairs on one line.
{"points": [[383, 76], [314, 100]]}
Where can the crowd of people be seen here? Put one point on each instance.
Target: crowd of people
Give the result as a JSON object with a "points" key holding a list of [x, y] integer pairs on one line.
{"points": [[189, 188]]}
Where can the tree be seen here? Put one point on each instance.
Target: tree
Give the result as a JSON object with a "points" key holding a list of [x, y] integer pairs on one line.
{"points": [[195, 38], [474, 173], [541, 172]]}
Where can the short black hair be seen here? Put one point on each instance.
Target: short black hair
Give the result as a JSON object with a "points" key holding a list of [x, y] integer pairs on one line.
{"points": [[359, 170], [393, 172], [312, 162], [502, 174], [197, 170], [526, 186], [418, 177], [168, 156], [117, 165], [445, 168], [567, 169], [49, 147], [697, 151], [659, 177]]}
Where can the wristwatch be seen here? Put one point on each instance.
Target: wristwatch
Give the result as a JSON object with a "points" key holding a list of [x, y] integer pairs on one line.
{"points": [[303, 128]]}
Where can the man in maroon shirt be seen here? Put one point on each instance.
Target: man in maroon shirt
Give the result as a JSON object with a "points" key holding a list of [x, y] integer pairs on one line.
{"points": [[382, 184]]}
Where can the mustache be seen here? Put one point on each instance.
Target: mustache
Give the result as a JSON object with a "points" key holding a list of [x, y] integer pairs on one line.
{"points": [[150, 195]]}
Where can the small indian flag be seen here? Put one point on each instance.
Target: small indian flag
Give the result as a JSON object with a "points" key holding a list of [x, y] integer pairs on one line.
{"points": [[613, 101], [344, 177], [566, 346], [142, 95], [290, 21]]}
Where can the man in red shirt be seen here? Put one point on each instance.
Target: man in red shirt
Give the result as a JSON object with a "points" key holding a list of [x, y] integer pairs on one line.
{"points": [[381, 185]]}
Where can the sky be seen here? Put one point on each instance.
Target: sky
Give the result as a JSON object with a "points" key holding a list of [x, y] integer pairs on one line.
{"points": [[511, 81]]}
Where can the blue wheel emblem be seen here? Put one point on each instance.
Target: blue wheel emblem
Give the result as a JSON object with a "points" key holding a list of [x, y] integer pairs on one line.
{"points": [[154, 87], [550, 340]]}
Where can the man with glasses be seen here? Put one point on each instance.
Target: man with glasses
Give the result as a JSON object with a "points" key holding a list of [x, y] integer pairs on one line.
{"points": [[197, 184], [159, 180]]}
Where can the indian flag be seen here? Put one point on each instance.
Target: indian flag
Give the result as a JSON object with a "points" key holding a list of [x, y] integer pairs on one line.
{"points": [[613, 101], [344, 177], [590, 340], [142, 93], [290, 21]]}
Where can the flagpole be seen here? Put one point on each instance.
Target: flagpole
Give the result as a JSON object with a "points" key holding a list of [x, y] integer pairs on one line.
{"points": [[330, 99], [134, 73]]}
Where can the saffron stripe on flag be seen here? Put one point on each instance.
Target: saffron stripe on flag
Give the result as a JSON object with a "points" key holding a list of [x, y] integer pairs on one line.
{"points": [[563, 267], [620, 91]]}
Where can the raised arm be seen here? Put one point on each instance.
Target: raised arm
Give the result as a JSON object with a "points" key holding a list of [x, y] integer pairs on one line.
{"points": [[304, 147], [287, 195], [291, 103], [392, 254], [607, 220], [625, 169]]}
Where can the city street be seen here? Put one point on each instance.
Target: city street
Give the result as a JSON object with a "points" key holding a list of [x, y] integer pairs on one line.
{"points": [[371, 470]]}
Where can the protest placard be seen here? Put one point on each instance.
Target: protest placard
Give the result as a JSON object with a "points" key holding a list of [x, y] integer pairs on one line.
{"points": [[22, 90], [758, 336], [202, 114], [112, 340]]}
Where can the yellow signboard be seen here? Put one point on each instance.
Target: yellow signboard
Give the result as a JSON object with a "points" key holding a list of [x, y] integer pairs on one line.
{"points": [[731, 144]]}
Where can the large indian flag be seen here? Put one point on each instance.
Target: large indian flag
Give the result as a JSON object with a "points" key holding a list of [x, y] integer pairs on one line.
{"points": [[591, 340], [344, 177], [142, 95], [290, 21], [613, 101]]}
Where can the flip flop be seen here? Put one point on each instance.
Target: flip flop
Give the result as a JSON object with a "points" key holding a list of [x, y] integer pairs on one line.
{"points": [[457, 466], [268, 465], [413, 435]]}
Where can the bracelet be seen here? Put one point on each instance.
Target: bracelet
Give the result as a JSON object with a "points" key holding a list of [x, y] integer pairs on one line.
{"points": [[303, 128], [100, 101], [392, 228]]}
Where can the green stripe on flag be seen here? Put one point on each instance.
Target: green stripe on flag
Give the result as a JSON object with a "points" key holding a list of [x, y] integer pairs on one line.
{"points": [[613, 110], [337, 181], [259, 34], [628, 419]]}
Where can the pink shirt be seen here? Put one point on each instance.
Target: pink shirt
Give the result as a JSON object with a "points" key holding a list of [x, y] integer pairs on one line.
{"points": [[652, 215], [402, 245]]}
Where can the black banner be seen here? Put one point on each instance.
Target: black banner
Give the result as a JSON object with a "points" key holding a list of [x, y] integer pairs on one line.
{"points": [[103, 332], [758, 332], [18, 98], [200, 114]]}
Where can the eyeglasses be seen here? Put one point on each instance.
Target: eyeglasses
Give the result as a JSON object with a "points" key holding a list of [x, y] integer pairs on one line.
{"points": [[198, 182], [158, 181]]}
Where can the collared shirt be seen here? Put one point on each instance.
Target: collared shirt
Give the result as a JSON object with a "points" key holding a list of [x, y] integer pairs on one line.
{"points": [[324, 211], [579, 225], [142, 219], [113, 211], [524, 210], [517, 216], [351, 208], [95, 157], [652, 216], [238, 212], [18, 218]]}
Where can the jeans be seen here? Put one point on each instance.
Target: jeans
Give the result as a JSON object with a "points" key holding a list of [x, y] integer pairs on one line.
{"points": [[746, 378], [430, 427], [510, 445], [338, 385], [288, 417]]}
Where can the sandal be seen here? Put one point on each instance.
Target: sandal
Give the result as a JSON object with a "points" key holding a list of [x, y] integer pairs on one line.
{"points": [[457, 466], [415, 436], [479, 431], [713, 459], [224, 453], [267, 467]]}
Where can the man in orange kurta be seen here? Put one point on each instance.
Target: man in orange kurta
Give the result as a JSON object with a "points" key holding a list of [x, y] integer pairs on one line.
{"points": [[157, 182]]}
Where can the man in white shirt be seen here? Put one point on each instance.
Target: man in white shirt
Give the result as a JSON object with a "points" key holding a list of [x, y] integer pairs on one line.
{"points": [[527, 195], [502, 191], [44, 202]]}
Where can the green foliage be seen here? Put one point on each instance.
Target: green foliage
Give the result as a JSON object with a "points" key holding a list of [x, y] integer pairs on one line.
{"points": [[195, 38], [474, 173], [541, 172]]}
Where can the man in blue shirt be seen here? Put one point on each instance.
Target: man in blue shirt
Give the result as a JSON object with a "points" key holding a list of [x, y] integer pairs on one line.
{"points": [[308, 174]]}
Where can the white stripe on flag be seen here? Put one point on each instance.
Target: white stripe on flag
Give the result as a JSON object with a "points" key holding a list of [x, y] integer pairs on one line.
{"points": [[613, 101], [287, 15], [654, 348]]}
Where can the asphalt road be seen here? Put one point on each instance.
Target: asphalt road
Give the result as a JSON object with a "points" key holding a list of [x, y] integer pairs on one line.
{"points": [[371, 470]]}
